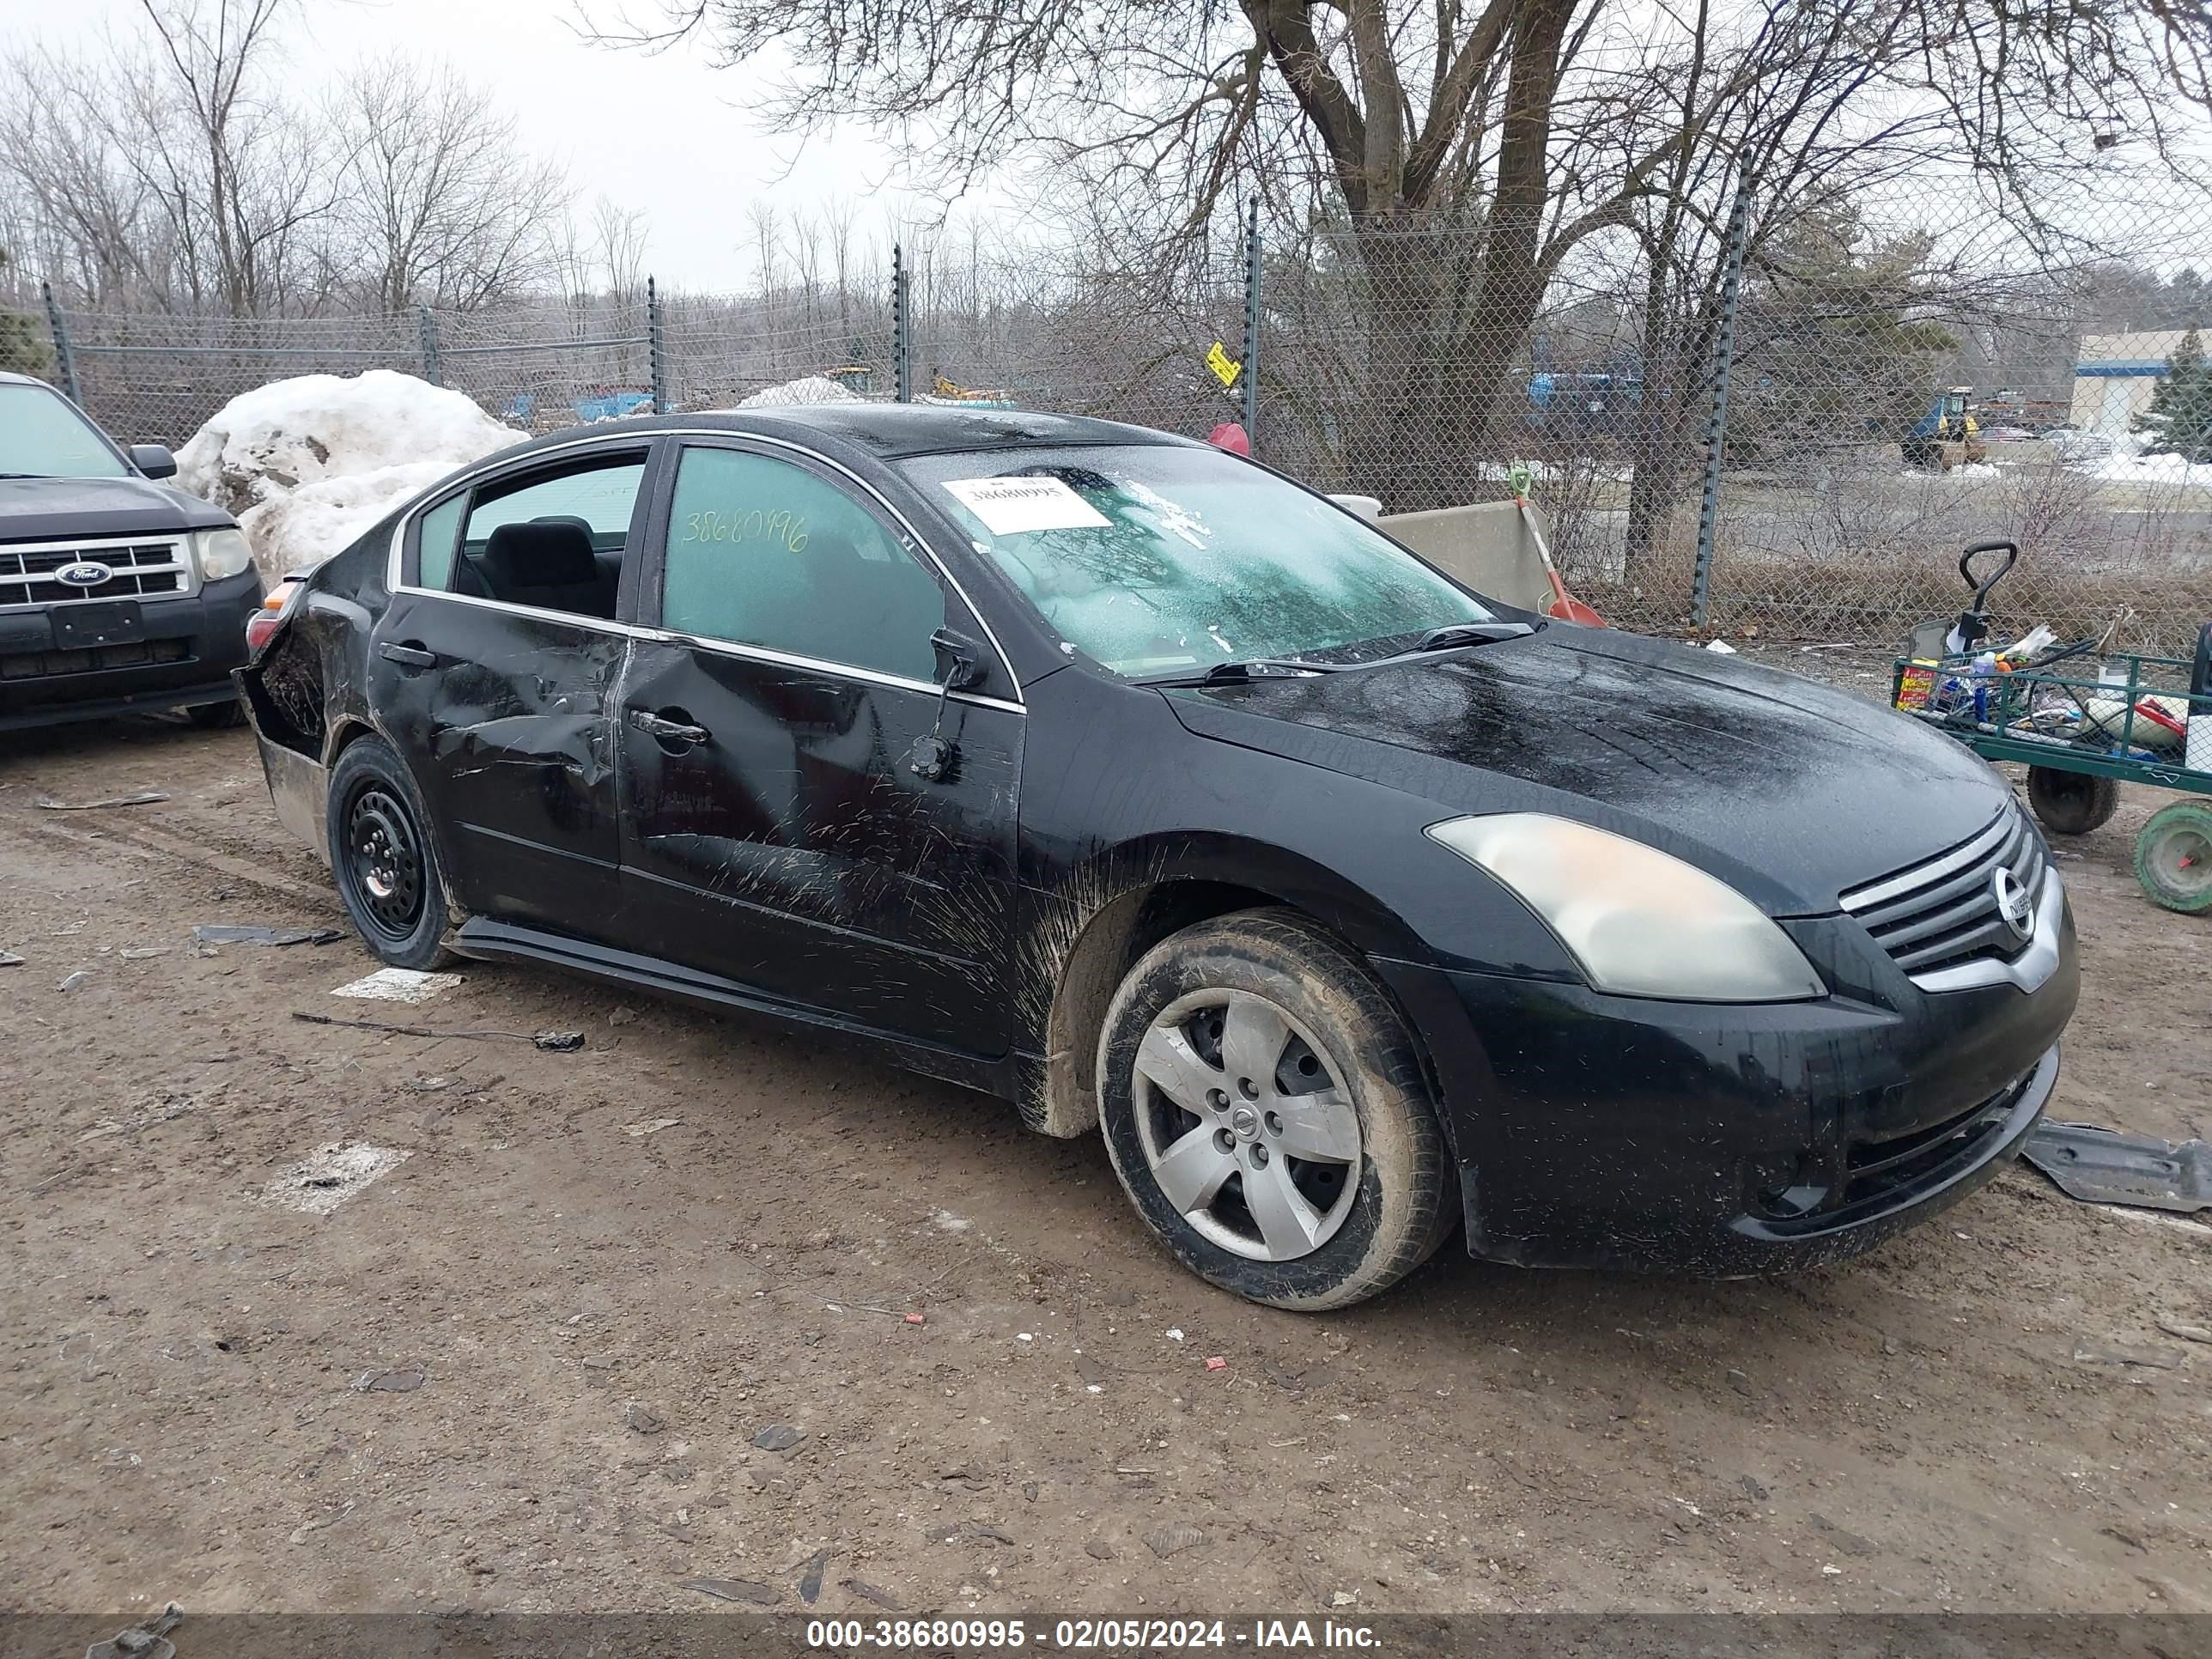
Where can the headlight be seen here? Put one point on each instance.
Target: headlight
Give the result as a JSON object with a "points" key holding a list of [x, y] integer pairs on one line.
{"points": [[1639, 923], [221, 553]]}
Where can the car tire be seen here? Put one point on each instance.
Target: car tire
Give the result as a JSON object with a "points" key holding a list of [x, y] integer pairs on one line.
{"points": [[217, 716], [2071, 802], [1206, 1156], [384, 859]]}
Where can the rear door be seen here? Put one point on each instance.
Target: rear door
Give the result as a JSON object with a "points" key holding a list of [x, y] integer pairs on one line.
{"points": [[773, 831], [496, 668]]}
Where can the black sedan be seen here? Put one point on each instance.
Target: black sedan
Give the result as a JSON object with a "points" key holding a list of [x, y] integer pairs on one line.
{"points": [[1123, 778]]}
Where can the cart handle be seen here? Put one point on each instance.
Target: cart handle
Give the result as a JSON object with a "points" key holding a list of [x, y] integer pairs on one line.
{"points": [[2011, 551]]}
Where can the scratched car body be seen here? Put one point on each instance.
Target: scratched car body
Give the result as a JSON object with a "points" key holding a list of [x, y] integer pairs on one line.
{"points": [[1124, 779]]}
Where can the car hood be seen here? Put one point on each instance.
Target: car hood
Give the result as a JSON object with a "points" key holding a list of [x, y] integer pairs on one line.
{"points": [[1790, 791], [61, 509]]}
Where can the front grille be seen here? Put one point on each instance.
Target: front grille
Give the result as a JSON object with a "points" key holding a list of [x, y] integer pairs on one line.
{"points": [[1943, 912], [94, 660], [137, 569], [1874, 1168]]}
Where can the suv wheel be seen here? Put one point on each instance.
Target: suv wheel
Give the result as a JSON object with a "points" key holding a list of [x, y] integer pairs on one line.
{"points": [[1264, 1108], [381, 853]]}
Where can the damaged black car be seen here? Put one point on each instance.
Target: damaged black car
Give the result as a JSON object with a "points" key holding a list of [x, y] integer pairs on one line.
{"points": [[1124, 779]]}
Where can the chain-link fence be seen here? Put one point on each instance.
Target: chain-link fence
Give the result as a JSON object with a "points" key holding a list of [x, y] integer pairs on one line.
{"points": [[1897, 382]]}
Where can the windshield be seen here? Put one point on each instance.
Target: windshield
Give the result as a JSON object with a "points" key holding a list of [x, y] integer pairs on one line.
{"points": [[43, 436], [1156, 559]]}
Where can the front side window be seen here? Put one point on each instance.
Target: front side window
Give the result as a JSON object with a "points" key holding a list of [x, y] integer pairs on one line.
{"points": [[1157, 559], [43, 436], [765, 552], [553, 541]]}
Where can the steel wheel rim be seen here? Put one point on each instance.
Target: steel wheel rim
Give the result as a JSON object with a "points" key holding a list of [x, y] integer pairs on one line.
{"points": [[384, 862], [1245, 1124], [2182, 856]]}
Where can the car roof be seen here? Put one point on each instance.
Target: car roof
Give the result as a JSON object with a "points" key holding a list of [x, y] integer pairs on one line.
{"points": [[8, 377], [887, 431]]}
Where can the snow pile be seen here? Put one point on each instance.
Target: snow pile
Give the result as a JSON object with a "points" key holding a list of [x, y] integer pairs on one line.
{"points": [[307, 464], [808, 389], [2124, 467]]}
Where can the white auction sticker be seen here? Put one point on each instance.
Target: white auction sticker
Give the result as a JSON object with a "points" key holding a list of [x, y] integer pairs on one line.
{"points": [[1014, 507]]}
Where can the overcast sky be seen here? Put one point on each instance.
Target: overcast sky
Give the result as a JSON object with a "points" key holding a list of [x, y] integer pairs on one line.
{"points": [[662, 133]]}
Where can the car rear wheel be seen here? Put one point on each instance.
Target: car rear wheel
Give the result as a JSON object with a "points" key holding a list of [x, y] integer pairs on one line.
{"points": [[211, 716], [381, 853], [1265, 1110]]}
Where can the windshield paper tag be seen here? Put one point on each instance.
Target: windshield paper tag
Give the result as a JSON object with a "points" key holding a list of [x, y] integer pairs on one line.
{"points": [[1014, 507]]}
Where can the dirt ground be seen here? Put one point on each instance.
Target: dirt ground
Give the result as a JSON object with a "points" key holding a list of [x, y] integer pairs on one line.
{"points": [[604, 1315]]}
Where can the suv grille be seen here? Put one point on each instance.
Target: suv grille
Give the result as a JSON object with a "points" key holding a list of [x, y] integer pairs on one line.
{"points": [[1943, 912], [149, 567]]}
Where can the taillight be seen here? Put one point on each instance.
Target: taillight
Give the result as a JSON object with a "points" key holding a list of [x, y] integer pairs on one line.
{"points": [[261, 626]]}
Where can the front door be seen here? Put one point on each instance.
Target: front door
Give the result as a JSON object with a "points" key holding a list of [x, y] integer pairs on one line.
{"points": [[497, 666], [773, 831]]}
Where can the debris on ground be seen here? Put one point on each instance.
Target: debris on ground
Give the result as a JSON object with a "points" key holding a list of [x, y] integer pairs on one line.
{"points": [[400, 985], [146, 797], [735, 1589], [641, 1419], [145, 952], [651, 1126], [2112, 1353], [75, 979], [2103, 1166], [1173, 1540], [330, 1174], [148, 1641], [1722, 647], [809, 1582], [225, 933], [1098, 1550], [9, 959], [917, 1319], [779, 1437], [1215, 1362], [621, 1016], [559, 1042], [875, 1593], [2186, 1333], [392, 1381]]}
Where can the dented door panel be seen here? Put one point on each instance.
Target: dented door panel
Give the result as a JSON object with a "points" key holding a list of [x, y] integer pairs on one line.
{"points": [[508, 727], [794, 850]]}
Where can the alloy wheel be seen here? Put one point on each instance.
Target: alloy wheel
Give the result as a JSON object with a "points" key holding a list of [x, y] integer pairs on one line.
{"points": [[1246, 1126]]}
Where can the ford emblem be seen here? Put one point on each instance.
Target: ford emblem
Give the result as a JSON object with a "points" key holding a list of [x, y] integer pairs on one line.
{"points": [[90, 574], [2015, 904]]}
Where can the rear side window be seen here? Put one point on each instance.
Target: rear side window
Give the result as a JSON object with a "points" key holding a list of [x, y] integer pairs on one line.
{"points": [[553, 541], [765, 552], [435, 538]]}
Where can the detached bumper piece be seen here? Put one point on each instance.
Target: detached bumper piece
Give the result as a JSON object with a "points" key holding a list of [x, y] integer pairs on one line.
{"points": [[2103, 1166]]}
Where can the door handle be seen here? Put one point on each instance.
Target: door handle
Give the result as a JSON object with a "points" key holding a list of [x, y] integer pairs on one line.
{"points": [[668, 730], [407, 656]]}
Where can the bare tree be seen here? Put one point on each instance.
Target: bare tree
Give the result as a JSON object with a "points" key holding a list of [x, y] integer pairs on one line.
{"points": [[1470, 149], [440, 206]]}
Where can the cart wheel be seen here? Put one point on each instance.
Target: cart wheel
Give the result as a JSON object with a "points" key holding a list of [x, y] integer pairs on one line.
{"points": [[2071, 802], [2173, 857]]}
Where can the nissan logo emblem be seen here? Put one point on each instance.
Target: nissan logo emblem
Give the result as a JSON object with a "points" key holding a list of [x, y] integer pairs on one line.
{"points": [[2015, 904], [89, 573]]}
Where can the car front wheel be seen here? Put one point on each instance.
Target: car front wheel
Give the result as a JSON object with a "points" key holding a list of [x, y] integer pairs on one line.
{"points": [[381, 853], [1264, 1108]]}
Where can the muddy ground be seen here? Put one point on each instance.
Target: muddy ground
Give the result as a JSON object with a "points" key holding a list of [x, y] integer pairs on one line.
{"points": [[604, 1315]]}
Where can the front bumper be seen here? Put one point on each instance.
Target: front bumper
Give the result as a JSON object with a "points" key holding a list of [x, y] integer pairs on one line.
{"points": [[1598, 1131], [179, 655]]}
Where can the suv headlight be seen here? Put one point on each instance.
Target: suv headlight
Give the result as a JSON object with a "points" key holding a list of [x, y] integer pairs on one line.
{"points": [[1638, 922], [221, 553]]}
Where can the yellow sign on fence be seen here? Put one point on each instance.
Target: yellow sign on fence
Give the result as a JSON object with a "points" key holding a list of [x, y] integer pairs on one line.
{"points": [[1226, 368]]}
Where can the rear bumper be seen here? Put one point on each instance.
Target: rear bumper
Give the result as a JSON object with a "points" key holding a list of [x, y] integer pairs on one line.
{"points": [[1596, 1131], [178, 656]]}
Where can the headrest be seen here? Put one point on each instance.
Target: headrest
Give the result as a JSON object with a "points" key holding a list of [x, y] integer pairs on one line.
{"points": [[542, 553]]}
